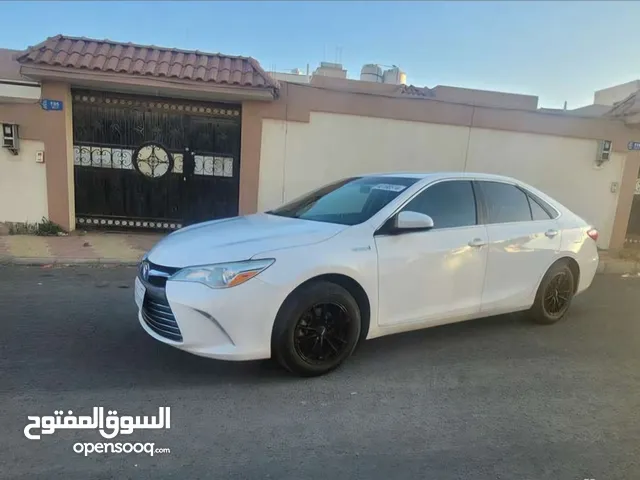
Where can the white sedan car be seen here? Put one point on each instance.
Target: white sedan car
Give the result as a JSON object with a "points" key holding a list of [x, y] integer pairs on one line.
{"points": [[362, 258]]}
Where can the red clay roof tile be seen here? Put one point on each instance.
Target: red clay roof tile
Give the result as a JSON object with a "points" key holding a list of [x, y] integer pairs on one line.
{"points": [[112, 63], [138, 65], [123, 65], [127, 58], [72, 59], [129, 52], [175, 70], [90, 48], [78, 47], [98, 62], [86, 61]]}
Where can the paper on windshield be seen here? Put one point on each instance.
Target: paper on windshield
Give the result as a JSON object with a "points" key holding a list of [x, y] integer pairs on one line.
{"points": [[389, 187]]}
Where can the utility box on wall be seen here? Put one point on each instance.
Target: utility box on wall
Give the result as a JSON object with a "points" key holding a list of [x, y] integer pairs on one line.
{"points": [[10, 138], [604, 151]]}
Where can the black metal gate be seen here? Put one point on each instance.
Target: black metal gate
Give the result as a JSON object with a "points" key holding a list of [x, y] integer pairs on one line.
{"points": [[633, 229], [152, 163]]}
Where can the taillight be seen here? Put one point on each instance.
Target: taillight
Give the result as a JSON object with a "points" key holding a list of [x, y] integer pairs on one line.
{"points": [[593, 234]]}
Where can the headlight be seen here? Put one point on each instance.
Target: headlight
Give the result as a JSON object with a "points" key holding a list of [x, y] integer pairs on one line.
{"points": [[223, 275]]}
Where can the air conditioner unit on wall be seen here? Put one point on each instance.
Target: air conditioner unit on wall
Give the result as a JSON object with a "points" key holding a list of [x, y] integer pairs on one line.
{"points": [[10, 138], [604, 151]]}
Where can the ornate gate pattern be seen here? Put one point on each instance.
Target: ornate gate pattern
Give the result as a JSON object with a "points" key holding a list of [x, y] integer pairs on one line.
{"points": [[153, 163]]}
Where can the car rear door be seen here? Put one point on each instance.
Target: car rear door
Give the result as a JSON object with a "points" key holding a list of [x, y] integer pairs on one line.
{"points": [[524, 240], [430, 276]]}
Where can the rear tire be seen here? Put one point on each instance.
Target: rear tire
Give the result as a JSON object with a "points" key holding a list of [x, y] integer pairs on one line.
{"points": [[316, 329], [554, 295]]}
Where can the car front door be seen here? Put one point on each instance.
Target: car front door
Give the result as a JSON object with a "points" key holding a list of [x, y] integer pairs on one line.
{"points": [[437, 275], [524, 240]]}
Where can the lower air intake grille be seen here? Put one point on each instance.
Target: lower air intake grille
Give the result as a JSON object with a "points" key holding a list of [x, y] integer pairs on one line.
{"points": [[157, 314]]}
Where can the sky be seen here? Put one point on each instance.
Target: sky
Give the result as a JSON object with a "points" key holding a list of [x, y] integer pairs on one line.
{"points": [[559, 51]]}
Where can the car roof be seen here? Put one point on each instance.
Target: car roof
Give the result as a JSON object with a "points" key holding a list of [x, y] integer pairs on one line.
{"points": [[439, 175], [428, 177]]}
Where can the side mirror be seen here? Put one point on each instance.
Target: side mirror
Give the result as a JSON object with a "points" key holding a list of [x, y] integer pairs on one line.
{"points": [[407, 221]]}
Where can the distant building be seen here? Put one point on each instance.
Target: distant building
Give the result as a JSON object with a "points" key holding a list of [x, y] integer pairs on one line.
{"points": [[294, 76], [334, 70], [612, 95]]}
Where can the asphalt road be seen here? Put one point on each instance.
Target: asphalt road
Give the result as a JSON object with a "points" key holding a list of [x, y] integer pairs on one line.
{"points": [[497, 398]]}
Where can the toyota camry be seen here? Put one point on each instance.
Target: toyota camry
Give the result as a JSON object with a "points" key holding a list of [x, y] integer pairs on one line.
{"points": [[361, 258]]}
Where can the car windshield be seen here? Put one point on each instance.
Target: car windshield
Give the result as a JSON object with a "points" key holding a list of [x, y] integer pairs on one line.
{"points": [[347, 202]]}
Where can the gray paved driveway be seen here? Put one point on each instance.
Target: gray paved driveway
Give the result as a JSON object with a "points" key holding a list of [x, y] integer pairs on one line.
{"points": [[492, 399]]}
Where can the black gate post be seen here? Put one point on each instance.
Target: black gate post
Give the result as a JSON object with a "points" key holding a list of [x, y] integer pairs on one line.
{"points": [[188, 167]]}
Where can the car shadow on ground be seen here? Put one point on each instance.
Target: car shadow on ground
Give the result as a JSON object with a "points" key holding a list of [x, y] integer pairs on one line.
{"points": [[124, 356]]}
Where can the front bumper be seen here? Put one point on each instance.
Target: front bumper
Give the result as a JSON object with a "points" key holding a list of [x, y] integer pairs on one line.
{"points": [[227, 324]]}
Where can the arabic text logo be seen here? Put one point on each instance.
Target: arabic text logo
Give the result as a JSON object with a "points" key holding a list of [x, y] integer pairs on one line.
{"points": [[109, 426]]}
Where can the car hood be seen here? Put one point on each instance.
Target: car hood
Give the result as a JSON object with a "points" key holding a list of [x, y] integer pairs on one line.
{"points": [[238, 238]]}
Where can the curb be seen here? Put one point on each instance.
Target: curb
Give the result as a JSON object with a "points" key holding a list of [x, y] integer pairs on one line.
{"points": [[612, 266], [619, 267], [39, 261]]}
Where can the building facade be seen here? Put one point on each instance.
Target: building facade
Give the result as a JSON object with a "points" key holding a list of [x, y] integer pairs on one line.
{"points": [[147, 138]]}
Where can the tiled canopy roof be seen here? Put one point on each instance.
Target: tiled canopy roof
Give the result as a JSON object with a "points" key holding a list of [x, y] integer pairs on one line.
{"points": [[127, 58]]}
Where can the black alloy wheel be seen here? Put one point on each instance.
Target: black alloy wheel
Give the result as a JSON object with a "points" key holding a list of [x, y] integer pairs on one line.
{"points": [[316, 329], [322, 333], [555, 294], [558, 294]]}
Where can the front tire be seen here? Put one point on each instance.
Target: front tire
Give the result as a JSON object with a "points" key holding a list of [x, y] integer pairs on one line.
{"points": [[316, 329], [554, 295]]}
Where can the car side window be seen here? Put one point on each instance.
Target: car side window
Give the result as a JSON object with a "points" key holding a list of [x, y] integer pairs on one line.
{"points": [[450, 204], [537, 212], [505, 203], [550, 211]]}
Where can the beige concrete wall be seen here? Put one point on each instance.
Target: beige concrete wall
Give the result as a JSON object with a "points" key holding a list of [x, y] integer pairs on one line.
{"points": [[484, 97], [297, 157], [23, 184], [11, 93], [291, 77], [54, 129]]}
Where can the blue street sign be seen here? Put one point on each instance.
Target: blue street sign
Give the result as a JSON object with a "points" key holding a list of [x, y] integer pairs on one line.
{"points": [[633, 146], [47, 104]]}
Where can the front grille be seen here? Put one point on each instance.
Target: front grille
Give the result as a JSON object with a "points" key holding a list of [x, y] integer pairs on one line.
{"points": [[158, 274], [157, 314], [158, 281]]}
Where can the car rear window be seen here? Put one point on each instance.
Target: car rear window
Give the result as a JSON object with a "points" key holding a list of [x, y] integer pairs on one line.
{"points": [[505, 203]]}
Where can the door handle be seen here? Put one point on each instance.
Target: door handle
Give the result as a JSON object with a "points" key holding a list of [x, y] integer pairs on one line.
{"points": [[551, 233], [477, 242]]}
